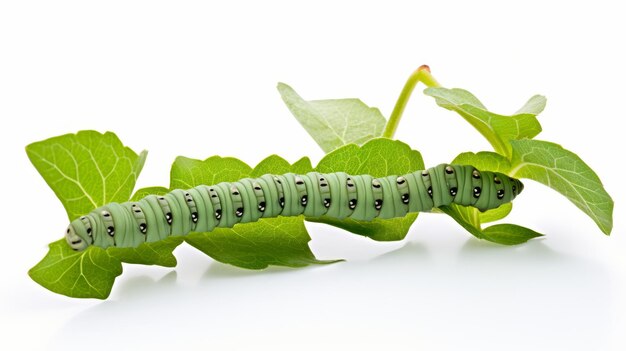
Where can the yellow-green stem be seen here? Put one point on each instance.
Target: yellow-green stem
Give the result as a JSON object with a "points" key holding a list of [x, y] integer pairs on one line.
{"points": [[422, 74]]}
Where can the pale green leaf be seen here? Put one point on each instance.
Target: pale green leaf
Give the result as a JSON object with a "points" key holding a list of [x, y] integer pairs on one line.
{"points": [[533, 106], [333, 123], [565, 172]]}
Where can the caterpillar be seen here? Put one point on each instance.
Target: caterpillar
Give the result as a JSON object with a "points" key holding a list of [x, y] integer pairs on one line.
{"points": [[338, 195]]}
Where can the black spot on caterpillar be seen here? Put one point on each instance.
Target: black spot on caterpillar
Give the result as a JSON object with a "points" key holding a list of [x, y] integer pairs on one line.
{"points": [[339, 195]]}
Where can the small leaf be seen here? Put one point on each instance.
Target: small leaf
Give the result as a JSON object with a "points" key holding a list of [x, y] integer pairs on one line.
{"points": [[495, 214], [373, 158], [274, 241], [87, 169], [334, 123], [565, 172], [497, 129], [302, 166], [153, 190], [275, 164], [504, 234], [466, 219], [509, 234], [484, 161], [85, 274], [533, 106], [187, 173], [277, 241]]}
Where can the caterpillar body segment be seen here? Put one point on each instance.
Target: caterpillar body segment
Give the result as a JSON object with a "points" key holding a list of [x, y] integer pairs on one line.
{"points": [[338, 195]]}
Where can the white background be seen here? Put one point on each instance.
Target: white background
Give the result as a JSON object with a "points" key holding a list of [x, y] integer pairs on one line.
{"points": [[198, 79]]}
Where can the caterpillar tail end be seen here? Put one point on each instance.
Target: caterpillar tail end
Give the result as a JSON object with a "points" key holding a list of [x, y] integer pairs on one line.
{"points": [[73, 235]]}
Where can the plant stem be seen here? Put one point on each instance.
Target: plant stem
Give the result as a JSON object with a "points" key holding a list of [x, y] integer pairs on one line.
{"points": [[422, 74]]}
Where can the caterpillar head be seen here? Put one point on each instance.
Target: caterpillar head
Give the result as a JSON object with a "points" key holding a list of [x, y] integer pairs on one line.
{"points": [[519, 186], [507, 188], [492, 189], [78, 234]]}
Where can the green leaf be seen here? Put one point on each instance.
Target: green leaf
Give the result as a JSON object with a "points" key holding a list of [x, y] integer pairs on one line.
{"points": [[373, 158], [334, 123], [86, 170], [484, 161], [509, 234], [466, 219], [301, 166], [497, 129], [187, 173], [274, 241], [495, 214], [85, 274], [504, 234], [275, 164], [155, 253], [565, 172]]}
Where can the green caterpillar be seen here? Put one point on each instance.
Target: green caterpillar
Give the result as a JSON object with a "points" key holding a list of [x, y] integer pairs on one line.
{"points": [[337, 195]]}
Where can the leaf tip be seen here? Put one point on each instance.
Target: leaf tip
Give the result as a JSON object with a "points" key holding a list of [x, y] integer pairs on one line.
{"points": [[282, 86], [326, 262]]}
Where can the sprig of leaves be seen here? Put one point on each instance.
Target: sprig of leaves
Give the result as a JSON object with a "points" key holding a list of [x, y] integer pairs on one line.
{"points": [[279, 241], [89, 169], [520, 156], [499, 130]]}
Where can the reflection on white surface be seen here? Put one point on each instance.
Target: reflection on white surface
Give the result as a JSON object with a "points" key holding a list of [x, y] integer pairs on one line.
{"points": [[480, 297]]}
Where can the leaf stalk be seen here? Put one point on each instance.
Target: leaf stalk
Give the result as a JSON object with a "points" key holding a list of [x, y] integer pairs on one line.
{"points": [[421, 74]]}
